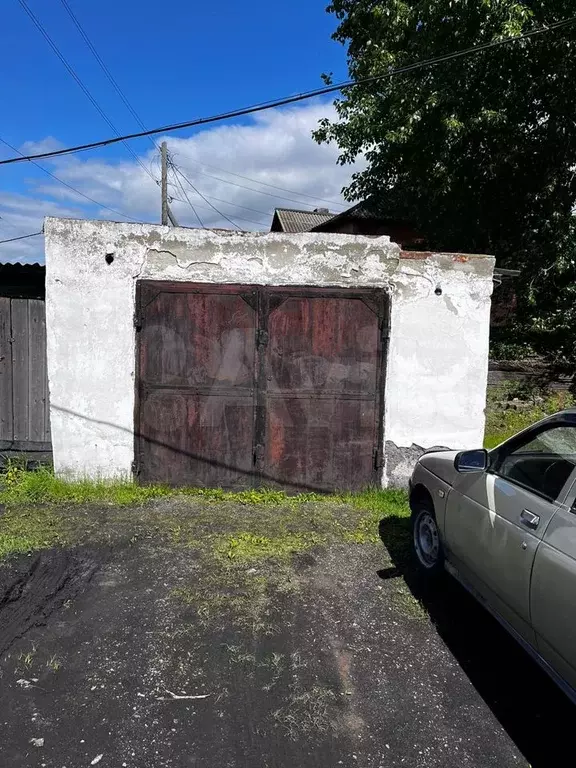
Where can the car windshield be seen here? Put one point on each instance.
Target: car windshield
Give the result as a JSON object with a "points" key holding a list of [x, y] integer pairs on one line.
{"points": [[560, 441]]}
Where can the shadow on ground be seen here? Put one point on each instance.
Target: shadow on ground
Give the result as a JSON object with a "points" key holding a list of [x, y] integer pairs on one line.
{"points": [[535, 713]]}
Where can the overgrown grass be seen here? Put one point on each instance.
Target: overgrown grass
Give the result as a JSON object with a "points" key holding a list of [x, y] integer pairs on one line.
{"points": [[243, 544], [43, 510], [42, 486], [25, 530], [503, 420]]}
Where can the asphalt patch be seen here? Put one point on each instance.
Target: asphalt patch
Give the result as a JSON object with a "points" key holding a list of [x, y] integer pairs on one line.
{"points": [[34, 588], [109, 666]]}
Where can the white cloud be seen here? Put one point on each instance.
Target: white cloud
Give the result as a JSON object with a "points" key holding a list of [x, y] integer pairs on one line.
{"points": [[21, 215], [275, 148]]}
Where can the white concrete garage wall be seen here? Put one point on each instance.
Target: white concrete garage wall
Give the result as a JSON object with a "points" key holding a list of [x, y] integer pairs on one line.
{"points": [[437, 363]]}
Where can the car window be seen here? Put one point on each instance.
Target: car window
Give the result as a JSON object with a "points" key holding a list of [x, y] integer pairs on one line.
{"points": [[542, 462], [561, 441]]}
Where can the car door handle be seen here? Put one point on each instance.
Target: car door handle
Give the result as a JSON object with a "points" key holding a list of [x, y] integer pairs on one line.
{"points": [[529, 519]]}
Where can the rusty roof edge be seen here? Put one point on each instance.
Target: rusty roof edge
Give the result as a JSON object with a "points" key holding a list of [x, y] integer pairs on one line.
{"points": [[454, 255]]}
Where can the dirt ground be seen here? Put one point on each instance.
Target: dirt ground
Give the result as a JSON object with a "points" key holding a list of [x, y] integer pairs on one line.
{"points": [[137, 651]]}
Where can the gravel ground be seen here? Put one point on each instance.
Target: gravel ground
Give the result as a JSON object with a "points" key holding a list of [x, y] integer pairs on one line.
{"points": [[140, 655]]}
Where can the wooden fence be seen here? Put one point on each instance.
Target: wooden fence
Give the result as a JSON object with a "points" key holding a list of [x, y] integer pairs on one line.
{"points": [[24, 402]]}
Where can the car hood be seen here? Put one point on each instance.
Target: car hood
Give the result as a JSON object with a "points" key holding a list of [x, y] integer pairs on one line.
{"points": [[441, 464]]}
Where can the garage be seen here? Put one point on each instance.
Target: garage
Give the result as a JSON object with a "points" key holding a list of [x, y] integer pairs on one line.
{"points": [[242, 386], [305, 361]]}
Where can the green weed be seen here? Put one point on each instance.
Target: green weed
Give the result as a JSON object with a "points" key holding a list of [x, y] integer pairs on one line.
{"points": [[19, 486], [25, 530], [27, 659], [503, 421], [53, 663], [307, 712], [248, 548], [42, 486]]}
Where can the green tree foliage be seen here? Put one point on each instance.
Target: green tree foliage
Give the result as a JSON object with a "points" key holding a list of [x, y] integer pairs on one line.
{"points": [[479, 152]]}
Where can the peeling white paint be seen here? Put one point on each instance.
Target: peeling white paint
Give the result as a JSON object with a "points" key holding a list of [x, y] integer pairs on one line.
{"points": [[437, 364]]}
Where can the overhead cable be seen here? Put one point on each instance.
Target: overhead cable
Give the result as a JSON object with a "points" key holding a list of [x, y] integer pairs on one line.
{"points": [[65, 183], [187, 180], [179, 184], [298, 97], [21, 237], [71, 71]]}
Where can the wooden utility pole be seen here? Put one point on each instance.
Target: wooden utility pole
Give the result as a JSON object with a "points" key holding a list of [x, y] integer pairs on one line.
{"points": [[164, 153], [167, 214]]}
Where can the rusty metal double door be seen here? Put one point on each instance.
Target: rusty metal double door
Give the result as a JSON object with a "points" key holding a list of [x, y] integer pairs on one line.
{"points": [[243, 386]]}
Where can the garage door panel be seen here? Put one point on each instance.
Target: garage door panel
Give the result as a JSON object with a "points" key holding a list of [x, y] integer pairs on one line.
{"points": [[240, 386], [192, 439], [320, 444], [322, 344], [198, 340]]}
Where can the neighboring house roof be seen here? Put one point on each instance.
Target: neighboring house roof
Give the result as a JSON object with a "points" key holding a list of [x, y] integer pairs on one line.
{"points": [[367, 217], [292, 220], [367, 210], [22, 280]]}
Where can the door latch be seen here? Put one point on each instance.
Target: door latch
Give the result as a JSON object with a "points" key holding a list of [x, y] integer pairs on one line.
{"points": [[529, 519], [258, 453]]}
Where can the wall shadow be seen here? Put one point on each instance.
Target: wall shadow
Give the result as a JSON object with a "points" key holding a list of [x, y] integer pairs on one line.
{"points": [[537, 716], [254, 478]]}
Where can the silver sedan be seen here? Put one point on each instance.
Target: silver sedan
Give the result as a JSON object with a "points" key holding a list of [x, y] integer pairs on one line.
{"points": [[503, 523]]}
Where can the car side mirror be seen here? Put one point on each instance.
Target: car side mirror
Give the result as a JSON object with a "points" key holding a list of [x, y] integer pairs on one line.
{"points": [[471, 461]]}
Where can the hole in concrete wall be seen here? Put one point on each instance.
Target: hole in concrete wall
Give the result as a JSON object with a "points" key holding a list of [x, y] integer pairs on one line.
{"points": [[109, 258], [438, 291]]}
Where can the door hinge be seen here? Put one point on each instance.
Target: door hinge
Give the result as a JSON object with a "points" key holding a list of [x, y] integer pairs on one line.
{"points": [[135, 467], [258, 453], [262, 337], [137, 321], [385, 331], [377, 458]]}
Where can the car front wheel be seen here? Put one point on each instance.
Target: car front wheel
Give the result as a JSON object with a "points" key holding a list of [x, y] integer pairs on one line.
{"points": [[426, 540]]}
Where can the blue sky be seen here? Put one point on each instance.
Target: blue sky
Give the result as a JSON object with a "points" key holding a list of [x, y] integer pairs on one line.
{"points": [[192, 60]]}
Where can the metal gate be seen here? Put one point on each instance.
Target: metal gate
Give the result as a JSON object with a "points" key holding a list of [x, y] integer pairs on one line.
{"points": [[244, 386]]}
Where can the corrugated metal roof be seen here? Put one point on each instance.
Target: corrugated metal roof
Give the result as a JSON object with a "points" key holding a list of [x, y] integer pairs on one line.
{"points": [[292, 220], [22, 280], [22, 264]]}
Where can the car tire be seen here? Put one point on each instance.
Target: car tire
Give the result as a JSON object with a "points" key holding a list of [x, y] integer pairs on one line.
{"points": [[426, 542]]}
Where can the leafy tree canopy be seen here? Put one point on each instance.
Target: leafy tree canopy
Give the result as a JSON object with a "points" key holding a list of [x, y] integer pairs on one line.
{"points": [[479, 152]]}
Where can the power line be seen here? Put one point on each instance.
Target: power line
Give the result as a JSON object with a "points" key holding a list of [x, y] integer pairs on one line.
{"points": [[222, 215], [179, 183], [236, 205], [103, 66], [257, 191], [22, 237], [80, 83], [65, 183], [265, 184], [121, 93], [294, 99], [205, 208]]}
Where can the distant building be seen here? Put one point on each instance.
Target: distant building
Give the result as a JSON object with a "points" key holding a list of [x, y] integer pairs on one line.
{"points": [[292, 220], [368, 218], [365, 218]]}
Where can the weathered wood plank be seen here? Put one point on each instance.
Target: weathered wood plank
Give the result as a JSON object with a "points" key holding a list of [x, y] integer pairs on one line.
{"points": [[37, 370], [20, 368], [6, 411]]}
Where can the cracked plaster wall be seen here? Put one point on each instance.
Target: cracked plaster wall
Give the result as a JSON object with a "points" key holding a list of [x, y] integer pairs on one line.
{"points": [[437, 364]]}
